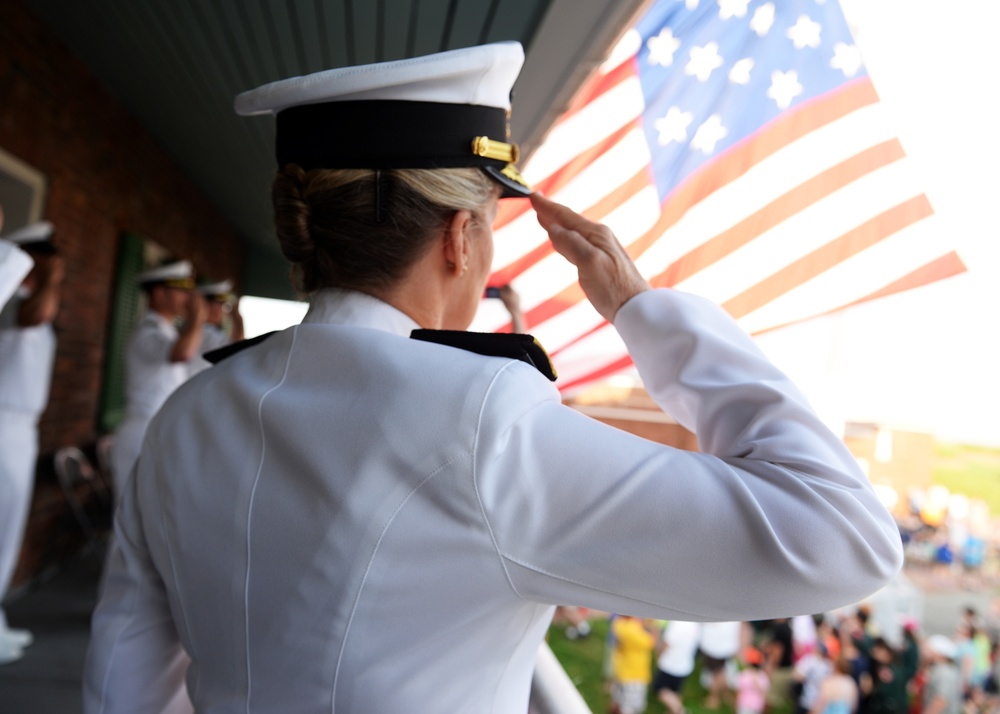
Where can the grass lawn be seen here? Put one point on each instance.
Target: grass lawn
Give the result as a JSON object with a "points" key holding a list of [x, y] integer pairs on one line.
{"points": [[583, 660], [970, 470]]}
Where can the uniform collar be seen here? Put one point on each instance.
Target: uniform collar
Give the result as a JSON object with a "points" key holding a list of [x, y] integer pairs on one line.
{"points": [[347, 307]]}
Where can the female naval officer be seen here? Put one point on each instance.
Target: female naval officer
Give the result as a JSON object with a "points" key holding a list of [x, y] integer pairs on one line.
{"points": [[363, 513]]}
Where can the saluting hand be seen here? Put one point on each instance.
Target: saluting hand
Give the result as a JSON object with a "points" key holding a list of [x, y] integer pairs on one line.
{"points": [[197, 311], [53, 269], [236, 332], [607, 274]]}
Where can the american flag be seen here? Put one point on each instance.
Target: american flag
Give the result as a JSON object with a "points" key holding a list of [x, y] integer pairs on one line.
{"points": [[739, 150]]}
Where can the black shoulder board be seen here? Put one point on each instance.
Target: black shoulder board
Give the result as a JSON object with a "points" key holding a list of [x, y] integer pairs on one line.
{"points": [[494, 344], [216, 356]]}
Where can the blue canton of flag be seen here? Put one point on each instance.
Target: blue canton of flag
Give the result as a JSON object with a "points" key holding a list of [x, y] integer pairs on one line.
{"points": [[712, 74]]}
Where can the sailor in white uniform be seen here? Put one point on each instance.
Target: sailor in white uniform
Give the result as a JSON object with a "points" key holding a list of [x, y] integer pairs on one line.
{"points": [[376, 512], [223, 322], [27, 353], [157, 358]]}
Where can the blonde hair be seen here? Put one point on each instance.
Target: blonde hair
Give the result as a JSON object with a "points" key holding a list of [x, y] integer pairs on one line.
{"points": [[362, 229]]}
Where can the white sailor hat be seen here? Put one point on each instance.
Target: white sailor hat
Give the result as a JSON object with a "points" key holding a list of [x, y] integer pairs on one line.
{"points": [[446, 110], [219, 290], [34, 238], [179, 274]]}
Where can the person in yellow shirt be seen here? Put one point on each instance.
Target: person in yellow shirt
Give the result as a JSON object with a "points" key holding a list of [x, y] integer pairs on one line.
{"points": [[631, 664]]}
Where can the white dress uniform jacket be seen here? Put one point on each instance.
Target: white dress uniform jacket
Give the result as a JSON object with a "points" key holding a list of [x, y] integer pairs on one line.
{"points": [[26, 358], [150, 377], [341, 519]]}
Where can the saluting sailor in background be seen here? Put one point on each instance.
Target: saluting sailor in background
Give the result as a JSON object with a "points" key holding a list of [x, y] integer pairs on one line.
{"points": [[27, 353], [157, 358], [15, 264], [375, 511], [220, 303]]}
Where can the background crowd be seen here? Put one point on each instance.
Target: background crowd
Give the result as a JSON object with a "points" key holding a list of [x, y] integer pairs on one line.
{"points": [[834, 663], [184, 320]]}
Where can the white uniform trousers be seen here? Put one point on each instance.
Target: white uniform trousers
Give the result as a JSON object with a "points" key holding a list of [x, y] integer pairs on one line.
{"points": [[18, 456]]}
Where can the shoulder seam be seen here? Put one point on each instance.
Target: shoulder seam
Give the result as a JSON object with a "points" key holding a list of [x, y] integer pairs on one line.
{"points": [[475, 477]]}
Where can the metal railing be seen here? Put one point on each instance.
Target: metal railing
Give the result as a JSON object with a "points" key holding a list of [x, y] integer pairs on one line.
{"points": [[552, 691]]}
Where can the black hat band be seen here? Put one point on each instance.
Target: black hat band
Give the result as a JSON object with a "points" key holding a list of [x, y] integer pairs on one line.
{"points": [[387, 134]]}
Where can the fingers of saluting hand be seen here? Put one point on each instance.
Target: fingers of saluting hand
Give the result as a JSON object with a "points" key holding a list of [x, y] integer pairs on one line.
{"points": [[607, 274]]}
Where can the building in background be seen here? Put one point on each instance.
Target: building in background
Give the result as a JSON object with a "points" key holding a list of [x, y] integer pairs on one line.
{"points": [[72, 154]]}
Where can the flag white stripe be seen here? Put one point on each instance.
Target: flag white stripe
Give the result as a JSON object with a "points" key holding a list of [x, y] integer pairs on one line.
{"points": [[609, 171], [554, 273], [804, 232], [860, 275], [856, 277], [591, 125], [764, 183]]}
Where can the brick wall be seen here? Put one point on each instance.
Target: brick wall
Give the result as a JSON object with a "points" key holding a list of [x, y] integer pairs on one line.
{"points": [[106, 175]]}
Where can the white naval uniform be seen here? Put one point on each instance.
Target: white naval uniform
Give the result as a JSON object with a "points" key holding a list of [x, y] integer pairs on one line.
{"points": [[26, 358], [341, 519], [150, 377], [212, 338]]}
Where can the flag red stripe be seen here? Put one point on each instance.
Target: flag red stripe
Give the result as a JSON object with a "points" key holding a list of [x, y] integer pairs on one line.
{"points": [[562, 176], [731, 164], [740, 158], [576, 339], [890, 221], [622, 193], [822, 259], [617, 366], [946, 266], [597, 85], [784, 207], [594, 88]]}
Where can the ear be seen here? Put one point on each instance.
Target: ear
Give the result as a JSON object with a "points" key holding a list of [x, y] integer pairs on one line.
{"points": [[456, 242]]}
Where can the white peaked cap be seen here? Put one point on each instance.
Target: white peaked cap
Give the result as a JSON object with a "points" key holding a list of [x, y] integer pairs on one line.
{"points": [[482, 75], [440, 111], [14, 265], [34, 233], [180, 270], [219, 288]]}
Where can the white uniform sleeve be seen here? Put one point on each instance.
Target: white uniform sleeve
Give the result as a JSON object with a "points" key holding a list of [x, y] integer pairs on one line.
{"points": [[773, 519], [135, 661], [153, 345]]}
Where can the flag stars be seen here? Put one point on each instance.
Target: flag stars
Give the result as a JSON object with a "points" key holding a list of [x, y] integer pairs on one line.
{"points": [[763, 19], [784, 87], [704, 60], [846, 58], [740, 73], [708, 135], [732, 8], [662, 47], [673, 126], [804, 33], [690, 4]]}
